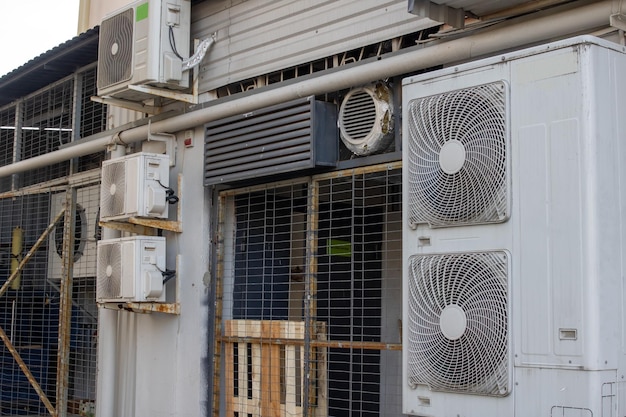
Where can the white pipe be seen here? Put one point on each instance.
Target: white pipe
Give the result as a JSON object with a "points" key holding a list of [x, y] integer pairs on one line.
{"points": [[511, 36]]}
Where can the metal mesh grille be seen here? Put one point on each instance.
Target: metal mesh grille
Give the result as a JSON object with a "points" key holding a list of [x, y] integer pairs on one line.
{"points": [[47, 124], [7, 135], [338, 309], [92, 119], [358, 115], [457, 157], [115, 51], [458, 323], [29, 313]]}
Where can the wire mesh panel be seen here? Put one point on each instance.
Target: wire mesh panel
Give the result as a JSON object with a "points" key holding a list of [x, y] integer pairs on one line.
{"points": [[30, 309], [324, 255], [7, 134], [92, 119], [358, 287], [46, 125]]}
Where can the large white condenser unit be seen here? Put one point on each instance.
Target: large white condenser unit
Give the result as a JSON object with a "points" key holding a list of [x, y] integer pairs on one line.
{"points": [[514, 176], [131, 269], [144, 44], [135, 185], [85, 234]]}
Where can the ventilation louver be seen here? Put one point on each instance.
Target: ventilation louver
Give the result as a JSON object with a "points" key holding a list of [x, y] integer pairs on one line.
{"points": [[109, 278], [366, 119], [113, 189], [286, 138], [458, 323], [115, 53], [458, 160]]}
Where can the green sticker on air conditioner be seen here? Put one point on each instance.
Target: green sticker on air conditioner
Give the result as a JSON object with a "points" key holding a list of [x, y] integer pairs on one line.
{"points": [[142, 12]]}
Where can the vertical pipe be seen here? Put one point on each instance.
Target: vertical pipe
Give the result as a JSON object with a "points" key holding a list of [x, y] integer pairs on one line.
{"points": [[106, 397], [17, 141], [84, 10], [65, 307], [310, 299], [17, 244]]}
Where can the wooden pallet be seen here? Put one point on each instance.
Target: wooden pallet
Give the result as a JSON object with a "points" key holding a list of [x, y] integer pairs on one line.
{"points": [[265, 369]]}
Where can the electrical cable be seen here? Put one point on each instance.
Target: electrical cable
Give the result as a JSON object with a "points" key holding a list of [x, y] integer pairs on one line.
{"points": [[173, 43], [168, 274], [170, 197]]}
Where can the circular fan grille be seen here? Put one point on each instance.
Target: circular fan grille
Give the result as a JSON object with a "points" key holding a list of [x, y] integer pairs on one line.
{"points": [[115, 49], [113, 189], [109, 271], [458, 323], [79, 241], [366, 119], [457, 158]]}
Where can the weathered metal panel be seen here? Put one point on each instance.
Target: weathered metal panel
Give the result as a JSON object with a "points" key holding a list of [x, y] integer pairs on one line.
{"points": [[257, 37], [300, 134]]}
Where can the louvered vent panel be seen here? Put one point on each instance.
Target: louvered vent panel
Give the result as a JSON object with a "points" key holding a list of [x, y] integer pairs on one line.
{"points": [[278, 140], [115, 53]]}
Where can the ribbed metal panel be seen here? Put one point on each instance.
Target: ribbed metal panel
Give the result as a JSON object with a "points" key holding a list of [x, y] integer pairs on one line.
{"points": [[257, 37], [294, 136]]}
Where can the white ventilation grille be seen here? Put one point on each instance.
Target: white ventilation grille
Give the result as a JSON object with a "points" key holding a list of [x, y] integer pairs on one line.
{"points": [[458, 159], [458, 337], [113, 189], [115, 53], [366, 119], [109, 271]]}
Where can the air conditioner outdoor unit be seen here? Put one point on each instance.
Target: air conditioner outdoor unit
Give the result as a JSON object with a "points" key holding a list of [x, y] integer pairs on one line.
{"points": [[131, 269], [135, 185], [144, 44], [514, 235], [86, 223]]}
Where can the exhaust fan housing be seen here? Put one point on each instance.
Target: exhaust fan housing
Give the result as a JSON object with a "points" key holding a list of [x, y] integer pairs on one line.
{"points": [[366, 122]]}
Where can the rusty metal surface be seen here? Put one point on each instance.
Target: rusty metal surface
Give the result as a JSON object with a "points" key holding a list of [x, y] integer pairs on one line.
{"points": [[29, 375], [168, 308], [65, 307]]}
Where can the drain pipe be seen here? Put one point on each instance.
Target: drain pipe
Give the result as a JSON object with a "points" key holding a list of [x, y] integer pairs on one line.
{"points": [[511, 36]]}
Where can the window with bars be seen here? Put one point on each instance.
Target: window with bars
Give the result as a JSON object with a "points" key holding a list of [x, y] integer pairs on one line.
{"points": [[311, 278]]}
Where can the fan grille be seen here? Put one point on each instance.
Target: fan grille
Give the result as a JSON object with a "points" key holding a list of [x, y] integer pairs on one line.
{"points": [[358, 115], [109, 271], [457, 162], [115, 50], [113, 189], [466, 351]]}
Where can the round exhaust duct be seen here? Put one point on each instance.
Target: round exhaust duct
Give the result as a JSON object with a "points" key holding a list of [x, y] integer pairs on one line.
{"points": [[366, 119]]}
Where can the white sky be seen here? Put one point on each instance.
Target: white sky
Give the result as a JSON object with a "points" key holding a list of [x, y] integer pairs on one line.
{"points": [[31, 27]]}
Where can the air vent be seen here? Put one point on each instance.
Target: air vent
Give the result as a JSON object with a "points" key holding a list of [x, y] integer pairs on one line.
{"points": [[457, 157], [458, 330], [366, 119], [115, 53], [279, 140], [109, 278]]}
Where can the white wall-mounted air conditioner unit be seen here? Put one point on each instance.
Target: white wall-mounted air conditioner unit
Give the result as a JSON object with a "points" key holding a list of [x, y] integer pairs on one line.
{"points": [[514, 236], [135, 185], [131, 269], [144, 44], [86, 223]]}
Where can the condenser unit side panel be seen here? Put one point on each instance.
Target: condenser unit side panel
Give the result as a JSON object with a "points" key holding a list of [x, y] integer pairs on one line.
{"points": [[548, 149], [568, 244]]}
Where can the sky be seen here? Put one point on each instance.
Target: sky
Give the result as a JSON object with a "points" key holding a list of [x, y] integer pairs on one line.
{"points": [[32, 27]]}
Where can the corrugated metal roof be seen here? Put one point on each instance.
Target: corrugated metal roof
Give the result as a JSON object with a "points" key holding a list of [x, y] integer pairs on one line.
{"points": [[51, 66]]}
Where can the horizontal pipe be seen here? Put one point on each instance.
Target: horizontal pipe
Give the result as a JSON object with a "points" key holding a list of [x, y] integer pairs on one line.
{"points": [[510, 36]]}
